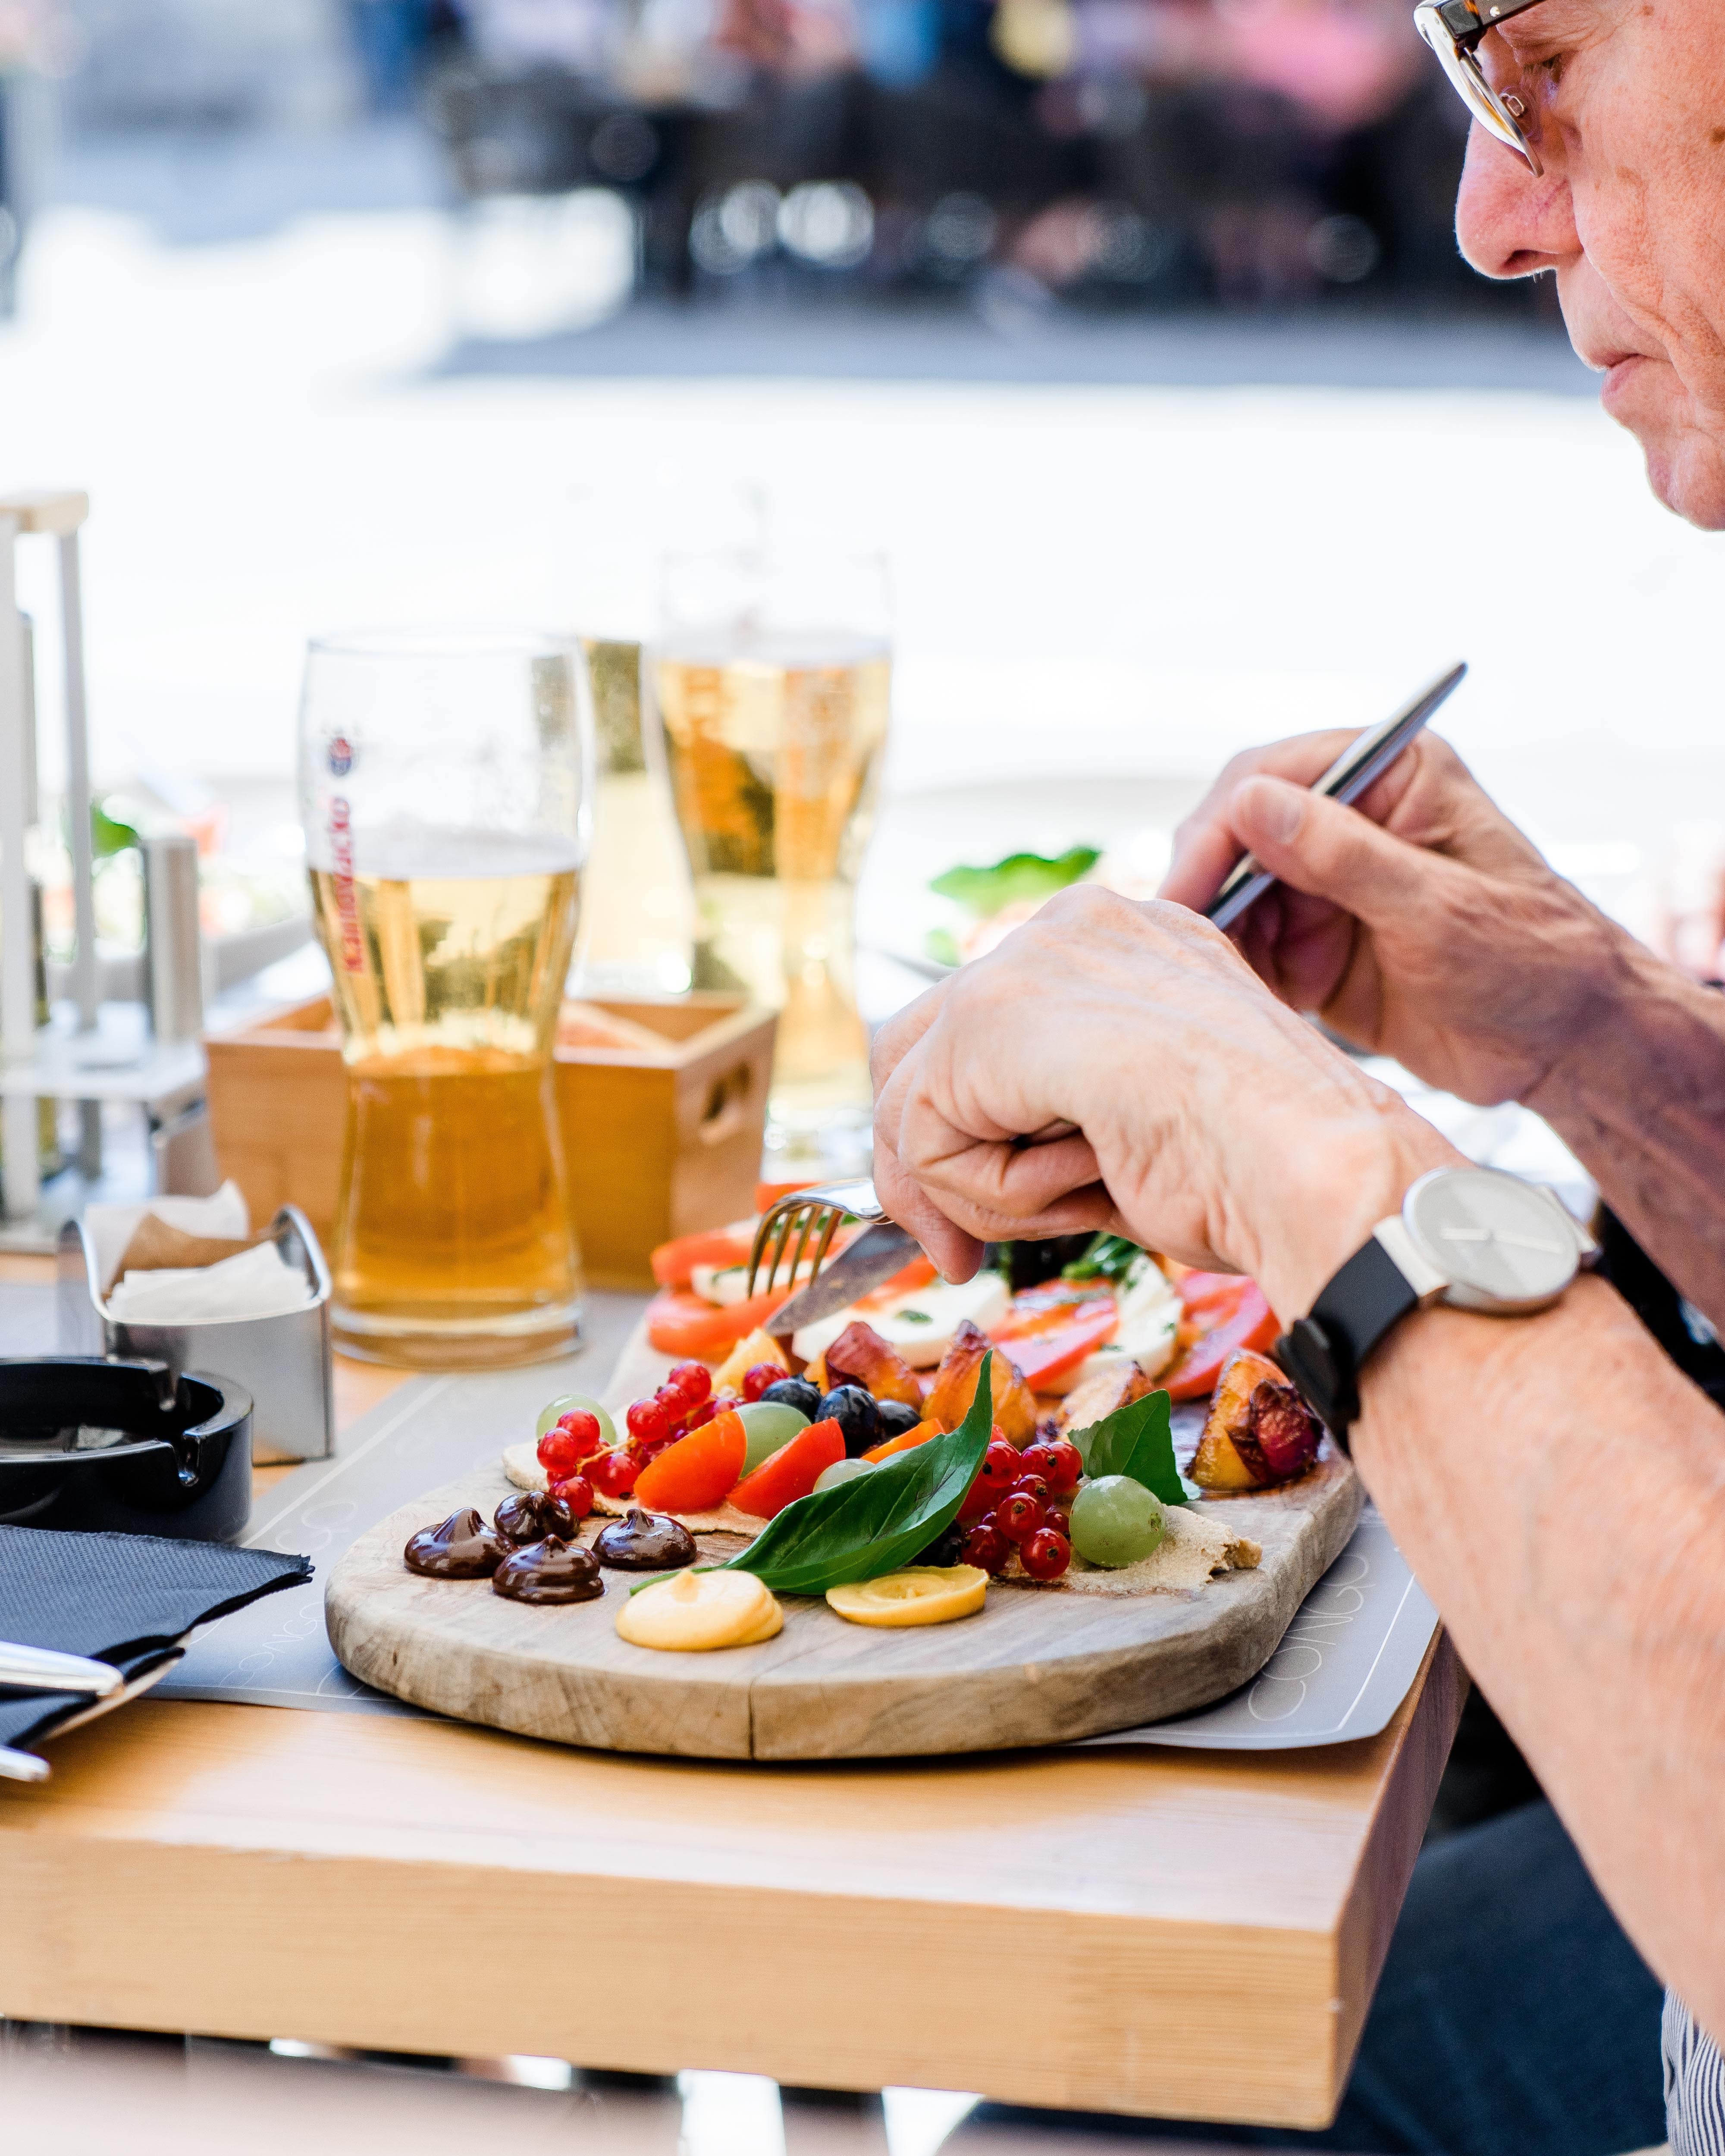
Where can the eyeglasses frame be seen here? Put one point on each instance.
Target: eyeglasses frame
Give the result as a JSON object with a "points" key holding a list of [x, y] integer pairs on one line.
{"points": [[1454, 28]]}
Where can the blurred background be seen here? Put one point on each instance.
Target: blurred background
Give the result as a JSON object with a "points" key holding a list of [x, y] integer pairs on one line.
{"points": [[1133, 331]]}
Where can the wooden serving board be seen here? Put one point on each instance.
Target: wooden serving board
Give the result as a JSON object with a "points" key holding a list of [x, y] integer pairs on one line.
{"points": [[1033, 1666]]}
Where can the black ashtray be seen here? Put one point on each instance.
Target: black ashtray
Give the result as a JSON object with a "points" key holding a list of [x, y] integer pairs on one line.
{"points": [[92, 1443]]}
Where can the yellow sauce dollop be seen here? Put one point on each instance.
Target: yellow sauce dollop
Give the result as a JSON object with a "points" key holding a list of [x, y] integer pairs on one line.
{"points": [[699, 1611], [921, 1594]]}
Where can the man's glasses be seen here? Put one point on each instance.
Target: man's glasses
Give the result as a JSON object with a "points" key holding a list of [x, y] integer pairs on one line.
{"points": [[1453, 28]]}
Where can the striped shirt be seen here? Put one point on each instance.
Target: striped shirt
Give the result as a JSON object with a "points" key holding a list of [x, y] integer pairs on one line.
{"points": [[1694, 2085]]}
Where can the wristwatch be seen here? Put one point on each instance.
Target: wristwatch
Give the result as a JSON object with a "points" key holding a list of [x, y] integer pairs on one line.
{"points": [[1475, 1238]]}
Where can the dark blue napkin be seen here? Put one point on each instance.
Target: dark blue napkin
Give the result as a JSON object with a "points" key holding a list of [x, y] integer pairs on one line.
{"points": [[127, 1600]]}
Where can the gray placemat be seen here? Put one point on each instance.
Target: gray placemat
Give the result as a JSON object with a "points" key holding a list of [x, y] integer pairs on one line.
{"points": [[1343, 1667], [29, 1319], [427, 1432]]}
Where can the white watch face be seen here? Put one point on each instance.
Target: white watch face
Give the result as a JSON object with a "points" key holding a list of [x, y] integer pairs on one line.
{"points": [[1502, 1243]]}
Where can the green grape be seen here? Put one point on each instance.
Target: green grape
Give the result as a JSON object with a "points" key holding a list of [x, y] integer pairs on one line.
{"points": [[842, 1470], [767, 1425], [1115, 1520], [560, 1406]]}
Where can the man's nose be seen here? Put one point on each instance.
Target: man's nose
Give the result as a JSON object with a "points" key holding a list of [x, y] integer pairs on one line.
{"points": [[1508, 223]]}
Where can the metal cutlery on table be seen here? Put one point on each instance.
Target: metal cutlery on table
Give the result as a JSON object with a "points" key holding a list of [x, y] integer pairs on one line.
{"points": [[41, 1669]]}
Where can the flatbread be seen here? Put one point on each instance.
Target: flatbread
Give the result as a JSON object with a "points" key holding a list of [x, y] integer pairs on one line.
{"points": [[1195, 1547]]}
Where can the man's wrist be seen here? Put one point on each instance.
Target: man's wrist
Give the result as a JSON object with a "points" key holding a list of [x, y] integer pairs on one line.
{"points": [[1636, 1011], [1344, 1181]]}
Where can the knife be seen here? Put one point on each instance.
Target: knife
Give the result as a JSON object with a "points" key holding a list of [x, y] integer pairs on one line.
{"points": [[876, 1255]]}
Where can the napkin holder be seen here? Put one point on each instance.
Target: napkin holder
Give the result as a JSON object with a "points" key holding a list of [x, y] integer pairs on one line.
{"points": [[283, 1362]]}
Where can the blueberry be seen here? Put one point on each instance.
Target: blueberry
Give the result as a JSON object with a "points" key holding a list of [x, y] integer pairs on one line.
{"points": [[896, 1419], [796, 1393], [947, 1547], [857, 1415]]}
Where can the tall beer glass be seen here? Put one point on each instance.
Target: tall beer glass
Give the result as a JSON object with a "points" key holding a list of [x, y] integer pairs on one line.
{"points": [[771, 678], [443, 780]]}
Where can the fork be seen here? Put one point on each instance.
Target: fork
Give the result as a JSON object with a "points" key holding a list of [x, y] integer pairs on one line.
{"points": [[819, 1209]]}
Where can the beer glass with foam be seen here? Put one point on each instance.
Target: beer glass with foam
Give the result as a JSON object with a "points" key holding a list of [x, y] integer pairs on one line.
{"points": [[444, 781]]}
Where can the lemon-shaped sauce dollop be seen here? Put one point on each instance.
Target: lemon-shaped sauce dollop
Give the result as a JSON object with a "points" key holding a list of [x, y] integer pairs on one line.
{"points": [[921, 1594]]}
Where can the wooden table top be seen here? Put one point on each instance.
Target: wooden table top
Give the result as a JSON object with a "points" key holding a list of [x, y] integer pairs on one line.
{"points": [[1174, 1933]]}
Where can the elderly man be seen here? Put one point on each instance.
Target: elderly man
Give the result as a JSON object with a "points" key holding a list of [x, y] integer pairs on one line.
{"points": [[1556, 1482]]}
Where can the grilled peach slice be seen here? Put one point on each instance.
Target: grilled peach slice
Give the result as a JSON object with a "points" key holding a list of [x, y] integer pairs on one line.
{"points": [[1260, 1431], [954, 1387], [860, 1357], [1117, 1385]]}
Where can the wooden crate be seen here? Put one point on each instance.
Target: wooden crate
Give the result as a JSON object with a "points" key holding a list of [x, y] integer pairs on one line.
{"points": [[661, 1139]]}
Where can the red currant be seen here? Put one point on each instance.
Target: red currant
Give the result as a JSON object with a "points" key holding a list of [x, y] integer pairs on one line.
{"points": [[647, 1419], [758, 1377], [988, 1548], [704, 1412], [1057, 1460], [576, 1492], [1032, 1486], [693, 1380], [583, 1426], [1046, 1555], [612, 1474], [1001, 1463], [559, 1452], [1018, 1516], [979, 1502]]}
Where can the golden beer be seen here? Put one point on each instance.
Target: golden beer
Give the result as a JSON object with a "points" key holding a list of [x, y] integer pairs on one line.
{"points": [[773, 747], [453, 1246]]}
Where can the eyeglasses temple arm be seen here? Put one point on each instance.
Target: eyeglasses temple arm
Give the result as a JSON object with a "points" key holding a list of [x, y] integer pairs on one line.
{"points": [[1467, 21]]}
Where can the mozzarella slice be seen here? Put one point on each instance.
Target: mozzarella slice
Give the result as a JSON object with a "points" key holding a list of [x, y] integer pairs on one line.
{"points": [[1149, 1319], [721, 1284], [920, 1323]]}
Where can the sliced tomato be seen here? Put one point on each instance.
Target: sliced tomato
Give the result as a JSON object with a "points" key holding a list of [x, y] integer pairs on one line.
{"points": [[1049, 1303], [681, 1323], [1231, 1312], [1060, 1343], [1036, 1310], [698, 1471], [674, 1263], [791, 1472]]}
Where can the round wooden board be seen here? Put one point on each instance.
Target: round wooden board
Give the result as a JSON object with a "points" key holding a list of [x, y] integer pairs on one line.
{"points": [[1035, 1666]]}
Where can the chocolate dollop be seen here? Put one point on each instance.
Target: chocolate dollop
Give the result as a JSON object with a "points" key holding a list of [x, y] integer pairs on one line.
{"points": [[459, 1547], [552, 1570], [529, 1516], [646, 1541]]}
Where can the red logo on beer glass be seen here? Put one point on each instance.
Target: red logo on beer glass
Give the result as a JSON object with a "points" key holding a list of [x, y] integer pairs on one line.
{"points": [[347, 899]]}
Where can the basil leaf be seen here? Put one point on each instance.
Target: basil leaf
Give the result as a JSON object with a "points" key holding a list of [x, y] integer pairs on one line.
{"points": [[873, 1524], [1137, 1439], [984, 891], [1109, 1257]]}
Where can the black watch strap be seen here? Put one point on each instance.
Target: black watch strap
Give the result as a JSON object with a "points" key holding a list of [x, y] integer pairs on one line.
{"points": [[1324, 1352]]}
